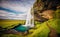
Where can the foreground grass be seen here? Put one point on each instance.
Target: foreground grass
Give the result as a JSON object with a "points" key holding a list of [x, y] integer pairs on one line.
{"points": [[41, 30]]}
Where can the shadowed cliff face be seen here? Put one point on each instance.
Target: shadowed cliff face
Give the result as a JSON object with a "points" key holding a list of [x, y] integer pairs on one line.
{"points": [[37, 10], [40, 7]]}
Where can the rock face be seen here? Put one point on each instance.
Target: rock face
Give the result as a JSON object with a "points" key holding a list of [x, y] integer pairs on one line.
{"points": [[43, 5], [37, 10]]}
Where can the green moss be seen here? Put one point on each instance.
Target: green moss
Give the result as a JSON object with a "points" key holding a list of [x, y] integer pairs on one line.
{"points": [[11, 35]]}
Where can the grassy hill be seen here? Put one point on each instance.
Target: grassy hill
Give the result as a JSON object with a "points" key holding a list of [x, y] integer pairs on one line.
{"points": [[6, 22]]}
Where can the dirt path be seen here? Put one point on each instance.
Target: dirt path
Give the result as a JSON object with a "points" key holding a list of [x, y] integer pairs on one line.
{"points": [[52, 32]]}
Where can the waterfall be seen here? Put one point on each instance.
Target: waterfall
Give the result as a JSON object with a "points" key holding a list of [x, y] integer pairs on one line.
{"points": [[29, 19]]}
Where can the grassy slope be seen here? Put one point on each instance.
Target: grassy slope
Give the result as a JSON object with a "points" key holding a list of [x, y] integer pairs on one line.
{"points": [[43, 30]]}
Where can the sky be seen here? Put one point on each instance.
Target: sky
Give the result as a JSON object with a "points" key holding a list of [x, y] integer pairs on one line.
{"points": [[15, 9]]}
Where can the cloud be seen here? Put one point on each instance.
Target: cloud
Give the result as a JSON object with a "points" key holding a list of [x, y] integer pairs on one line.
{"points": [[6, 15], [18, 6]]}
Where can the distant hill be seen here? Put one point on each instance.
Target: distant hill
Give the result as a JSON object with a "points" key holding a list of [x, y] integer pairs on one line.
{"points": [[7, 23]]}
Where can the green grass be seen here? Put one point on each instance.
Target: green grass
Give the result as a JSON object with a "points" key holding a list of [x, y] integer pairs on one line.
{"points": [[41, 29], [11, 35], [8, 23]]}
